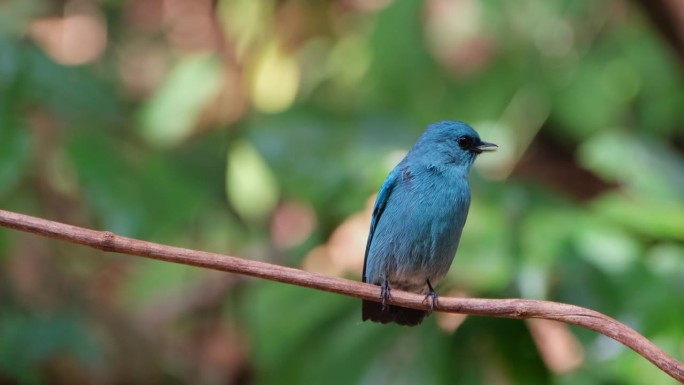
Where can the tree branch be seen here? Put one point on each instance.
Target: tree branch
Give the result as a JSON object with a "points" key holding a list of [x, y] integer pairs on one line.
{"points": [[505, 308]]}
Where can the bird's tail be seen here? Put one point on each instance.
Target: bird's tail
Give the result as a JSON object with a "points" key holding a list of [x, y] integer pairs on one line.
{"points": [[374, 311]]}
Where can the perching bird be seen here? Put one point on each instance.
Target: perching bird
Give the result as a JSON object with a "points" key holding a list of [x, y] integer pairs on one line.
{"points": [[418, 218]]}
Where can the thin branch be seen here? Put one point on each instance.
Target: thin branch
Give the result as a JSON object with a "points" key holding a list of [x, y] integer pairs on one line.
{"points": [[505, 308]]}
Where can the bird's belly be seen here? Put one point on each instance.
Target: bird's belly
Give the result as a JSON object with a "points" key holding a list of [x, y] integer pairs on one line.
{"points": [[416, 242]]}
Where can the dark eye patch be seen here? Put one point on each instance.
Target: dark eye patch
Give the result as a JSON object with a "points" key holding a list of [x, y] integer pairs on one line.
{"points": [[465, 142]]}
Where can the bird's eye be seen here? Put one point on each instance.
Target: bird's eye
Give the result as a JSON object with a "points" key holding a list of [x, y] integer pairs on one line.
{"points": [[465, 142]]}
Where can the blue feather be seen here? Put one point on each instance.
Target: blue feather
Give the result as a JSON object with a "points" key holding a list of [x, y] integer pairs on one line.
{"points": [[419, 216]]}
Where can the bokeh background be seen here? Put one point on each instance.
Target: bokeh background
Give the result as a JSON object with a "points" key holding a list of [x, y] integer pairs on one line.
{"points": [[262, 129]]}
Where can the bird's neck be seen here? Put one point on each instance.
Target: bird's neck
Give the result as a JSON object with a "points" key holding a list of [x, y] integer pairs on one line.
{"points": [[447, 169]]}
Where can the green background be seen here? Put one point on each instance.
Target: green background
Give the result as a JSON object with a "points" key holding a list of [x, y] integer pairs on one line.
{"points": [[264, 132]]}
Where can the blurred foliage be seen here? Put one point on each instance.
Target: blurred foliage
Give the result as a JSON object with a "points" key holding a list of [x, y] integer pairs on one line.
{"points": [[262, 129]]}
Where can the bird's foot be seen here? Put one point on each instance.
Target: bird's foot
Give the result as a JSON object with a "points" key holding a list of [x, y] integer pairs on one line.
{"points": [[433, 297], [385, 293]]}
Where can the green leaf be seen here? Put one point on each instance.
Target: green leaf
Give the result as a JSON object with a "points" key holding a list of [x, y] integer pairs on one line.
{"points": [[169, 117], [251, 188]]}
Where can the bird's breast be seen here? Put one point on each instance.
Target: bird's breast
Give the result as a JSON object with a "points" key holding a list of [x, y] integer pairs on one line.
{"points": [[418, 233]]}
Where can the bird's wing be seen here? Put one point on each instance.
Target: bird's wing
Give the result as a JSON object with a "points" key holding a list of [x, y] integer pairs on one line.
{"points": [[380, 204]]}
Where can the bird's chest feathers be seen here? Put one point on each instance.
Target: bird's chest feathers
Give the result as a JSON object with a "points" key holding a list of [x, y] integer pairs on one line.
{"points": [[439, 192], [426, 213], [421, 227]]}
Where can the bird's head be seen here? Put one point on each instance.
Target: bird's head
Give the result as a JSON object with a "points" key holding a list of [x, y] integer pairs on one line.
{"points": [[451, 142]]}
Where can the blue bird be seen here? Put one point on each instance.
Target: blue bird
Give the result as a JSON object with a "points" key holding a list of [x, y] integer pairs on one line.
{"points": [[418, 218]]}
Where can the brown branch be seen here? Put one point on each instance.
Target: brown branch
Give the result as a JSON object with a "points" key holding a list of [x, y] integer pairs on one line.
{"points": [[506, 308]]}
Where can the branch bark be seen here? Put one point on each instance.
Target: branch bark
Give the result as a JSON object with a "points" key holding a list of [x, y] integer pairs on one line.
{"points": [[505, 308]]}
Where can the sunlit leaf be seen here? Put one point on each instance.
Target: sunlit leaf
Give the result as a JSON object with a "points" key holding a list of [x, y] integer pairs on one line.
{"points": [[275, 80], [642, 164], [654, 218], [251, 188], [171, 114]]}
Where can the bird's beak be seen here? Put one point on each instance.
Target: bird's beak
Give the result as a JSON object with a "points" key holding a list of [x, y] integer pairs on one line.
{"points": [[485, 146]]}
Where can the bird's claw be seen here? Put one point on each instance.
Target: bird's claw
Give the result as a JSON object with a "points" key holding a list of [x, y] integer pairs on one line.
{"points": [[433, 300], [432, 295]]}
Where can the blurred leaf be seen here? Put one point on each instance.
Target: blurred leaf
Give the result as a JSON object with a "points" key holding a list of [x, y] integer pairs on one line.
{"points": [[654, 218], [543, 237], [644, 165], [73, 94], [481, 264], [588, 102], [251, 187], [667, 260], [16, 14], [171, 114], [309, 323], [27, 342], [610, 250], [109, 182], [275, 81], [246, 20], [660, 99], [152, 280], [15, 152]]}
